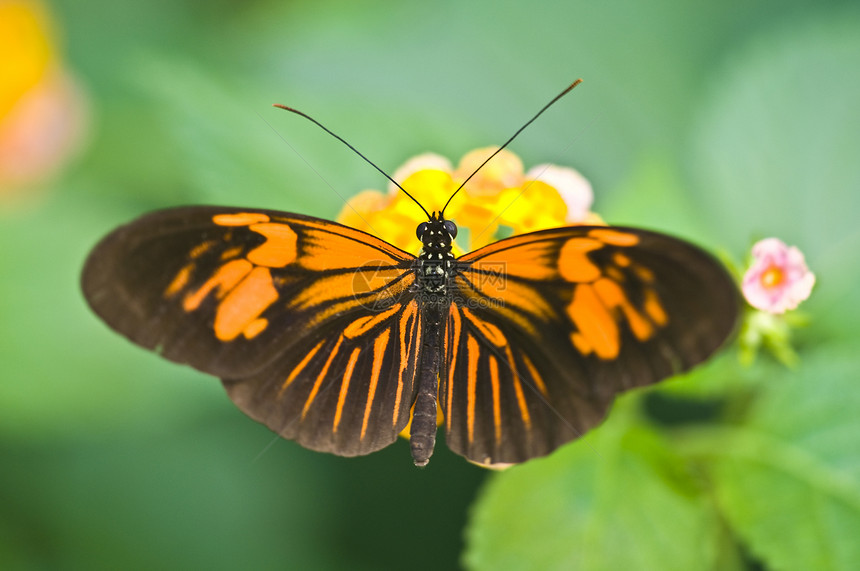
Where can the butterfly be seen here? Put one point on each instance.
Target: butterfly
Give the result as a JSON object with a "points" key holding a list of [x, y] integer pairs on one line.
{"points": [[338, 340]]}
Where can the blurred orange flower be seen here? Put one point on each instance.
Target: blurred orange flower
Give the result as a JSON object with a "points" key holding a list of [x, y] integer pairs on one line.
{"points": [[41, 109], [500, 199]]}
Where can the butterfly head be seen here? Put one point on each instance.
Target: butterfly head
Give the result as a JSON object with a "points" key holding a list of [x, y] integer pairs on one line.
{"points": [[437, 234]]}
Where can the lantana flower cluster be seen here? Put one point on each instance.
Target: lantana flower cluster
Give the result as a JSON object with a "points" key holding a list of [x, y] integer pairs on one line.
{"points": [[501, 199], [776, 281]]}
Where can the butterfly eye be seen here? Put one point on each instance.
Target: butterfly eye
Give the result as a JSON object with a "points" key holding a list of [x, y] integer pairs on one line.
{"points": [[450, 228], [421, 230]]}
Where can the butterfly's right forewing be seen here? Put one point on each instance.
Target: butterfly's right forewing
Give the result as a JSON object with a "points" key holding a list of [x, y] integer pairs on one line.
{"points": [[312, 325], [548, 327]]}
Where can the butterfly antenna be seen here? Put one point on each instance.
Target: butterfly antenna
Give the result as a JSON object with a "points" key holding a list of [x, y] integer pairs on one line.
{"points": [[354, 150], [514, 136]]}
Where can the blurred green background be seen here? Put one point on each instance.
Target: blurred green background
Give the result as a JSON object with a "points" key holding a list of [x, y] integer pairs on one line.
{"points": [[721, 122]]}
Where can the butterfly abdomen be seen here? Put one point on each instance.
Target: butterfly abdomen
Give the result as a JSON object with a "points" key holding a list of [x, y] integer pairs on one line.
{"points": [[433, 269], [422, 437]]}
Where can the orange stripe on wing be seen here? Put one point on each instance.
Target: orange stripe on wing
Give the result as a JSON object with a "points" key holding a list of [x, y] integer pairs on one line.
{"points": [[518, 389], [239, 218], [321, 377], [379, 347], [472, 353], [364, 324], [344, 387], [490, 332], [533, 261], [456, 324], [535, 376], [322, 237], [180, 281], [654, 309], [497, 404], [614, 237], [201, 249], [523, 240], [406, 354], [300, 367], [504, 300]]}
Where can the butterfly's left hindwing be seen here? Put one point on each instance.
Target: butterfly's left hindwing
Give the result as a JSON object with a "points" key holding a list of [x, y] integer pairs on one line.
{"points": [[311, 325], [546, 328]]}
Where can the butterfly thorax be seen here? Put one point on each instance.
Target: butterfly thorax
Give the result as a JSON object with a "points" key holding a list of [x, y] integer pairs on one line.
{"points": [[434, 263]]}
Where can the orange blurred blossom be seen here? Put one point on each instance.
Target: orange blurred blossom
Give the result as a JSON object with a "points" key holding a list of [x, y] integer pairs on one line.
{"points": [[41, 109], [501, 199]]}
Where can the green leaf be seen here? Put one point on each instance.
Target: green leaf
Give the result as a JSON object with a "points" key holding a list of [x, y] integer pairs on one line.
{"points": [[613, 500], [788, 479]]}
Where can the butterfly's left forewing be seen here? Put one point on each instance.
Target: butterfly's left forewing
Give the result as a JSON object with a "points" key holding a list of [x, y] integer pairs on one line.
{"points": [[546, 328], [311, 325]]}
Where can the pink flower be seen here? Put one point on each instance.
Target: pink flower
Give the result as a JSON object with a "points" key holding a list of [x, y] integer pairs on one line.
{"points": [[778, 279]]}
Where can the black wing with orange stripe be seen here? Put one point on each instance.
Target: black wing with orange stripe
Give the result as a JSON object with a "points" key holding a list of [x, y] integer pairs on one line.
{"points": [[311, 325], [546, 328]]}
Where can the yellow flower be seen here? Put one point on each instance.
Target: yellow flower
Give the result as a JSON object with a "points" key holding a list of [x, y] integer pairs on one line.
{"points": [[41, 110], [26, 50], [499, 200]]}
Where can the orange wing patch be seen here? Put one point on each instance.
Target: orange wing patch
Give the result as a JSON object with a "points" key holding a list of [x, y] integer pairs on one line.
{"points": [[221, 282], [614, 237], [351, 249], [244, 286], [597, 331], [608, 287], [179, 281], [239, 311], [600, 301], [574, 264], [278, 250], [240, 218], [251, 271]]}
